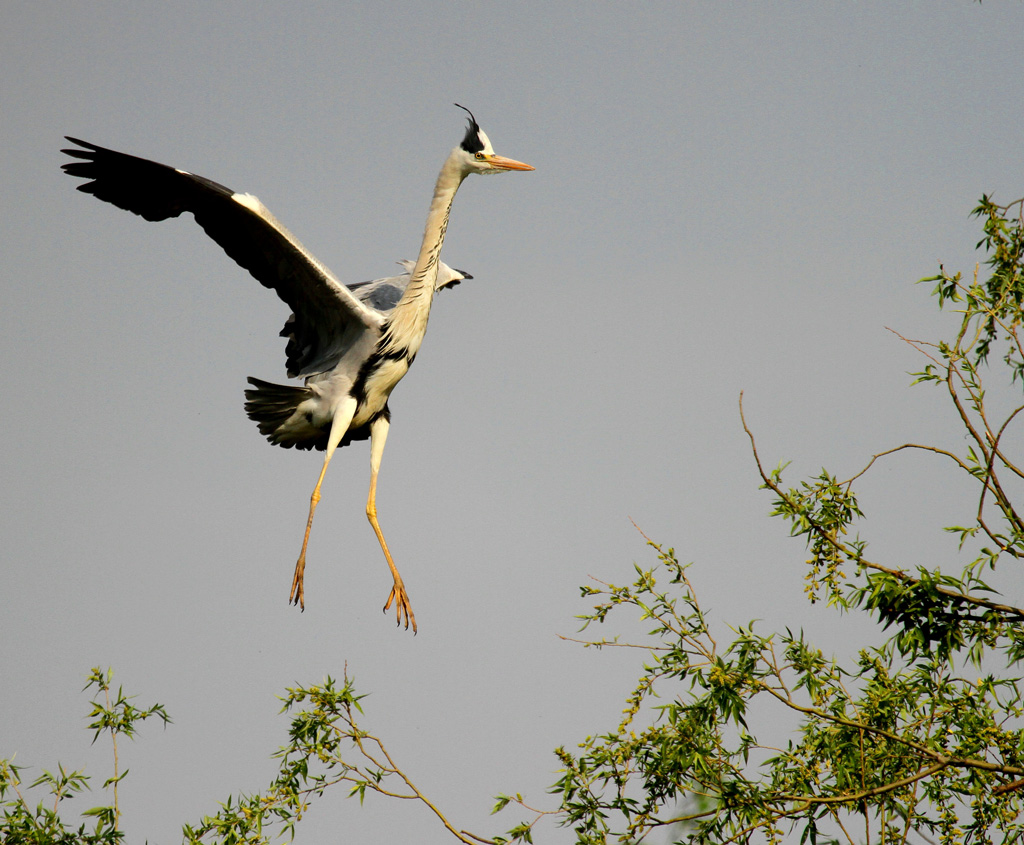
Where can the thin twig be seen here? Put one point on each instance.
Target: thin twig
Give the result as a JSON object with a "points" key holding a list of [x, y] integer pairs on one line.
{"points": [[859, 559]]}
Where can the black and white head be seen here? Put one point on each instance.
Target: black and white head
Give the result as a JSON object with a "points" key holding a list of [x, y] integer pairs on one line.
{"points": [[478, 154]]}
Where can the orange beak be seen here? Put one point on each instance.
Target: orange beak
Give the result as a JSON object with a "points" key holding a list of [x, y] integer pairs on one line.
{"points": [[509, 163]]}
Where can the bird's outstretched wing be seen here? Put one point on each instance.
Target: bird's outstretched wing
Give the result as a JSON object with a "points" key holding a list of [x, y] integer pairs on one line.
{"points": [[384, 294], [328, 318]]}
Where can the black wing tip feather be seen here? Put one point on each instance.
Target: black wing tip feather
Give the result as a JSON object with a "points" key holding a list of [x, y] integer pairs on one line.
{"points": [[89, 154], [82, 169], [80, 143], [148, 188]]}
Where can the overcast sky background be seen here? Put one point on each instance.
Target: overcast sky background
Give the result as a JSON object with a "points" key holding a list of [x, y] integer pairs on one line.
{"points": [[728, 196]]}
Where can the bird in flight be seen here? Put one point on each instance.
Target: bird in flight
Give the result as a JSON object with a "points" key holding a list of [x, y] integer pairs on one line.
{"points": [[351, 344]]}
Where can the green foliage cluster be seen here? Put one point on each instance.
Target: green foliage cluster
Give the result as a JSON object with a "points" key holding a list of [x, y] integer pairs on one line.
{"points": [[326, 747], [42, 824], [919, 738], [919, 735]]}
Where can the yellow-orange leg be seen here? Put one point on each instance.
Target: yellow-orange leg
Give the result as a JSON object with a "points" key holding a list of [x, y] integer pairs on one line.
{"points": [[339, 425], [403, 609]]}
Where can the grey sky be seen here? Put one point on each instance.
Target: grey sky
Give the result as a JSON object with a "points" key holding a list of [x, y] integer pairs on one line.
{"points": [[728, 196]]}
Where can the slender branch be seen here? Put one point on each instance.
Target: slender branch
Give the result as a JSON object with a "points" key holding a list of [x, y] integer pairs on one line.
{"points": [[117, 779], [392, 768], [959, 462], [689, 817], [863, 785], [476, 838], [836, 818], [689, 588], [805, 802], [611, 644], [1006, 462], [941, 760], [1012, 786], [859, 559], [989, 446], [920, 774]]}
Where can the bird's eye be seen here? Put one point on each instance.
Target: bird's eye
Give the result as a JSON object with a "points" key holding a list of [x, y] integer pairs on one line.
{"points": [[480, 157]]}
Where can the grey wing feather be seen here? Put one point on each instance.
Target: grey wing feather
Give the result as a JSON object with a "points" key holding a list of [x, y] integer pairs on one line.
{"points": [[384, 294], [327, 318]]}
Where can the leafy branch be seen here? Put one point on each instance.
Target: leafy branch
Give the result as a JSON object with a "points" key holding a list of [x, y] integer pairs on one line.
{"points": [[43, 823], [326, 748], [896, 737], [870, 737]]}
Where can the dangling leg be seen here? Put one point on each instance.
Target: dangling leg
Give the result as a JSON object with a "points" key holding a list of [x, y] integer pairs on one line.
{"points": [[378, 435], [342, 417]]}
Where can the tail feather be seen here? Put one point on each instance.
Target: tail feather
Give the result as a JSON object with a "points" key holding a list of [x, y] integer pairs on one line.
{"points": [[277, 410]]}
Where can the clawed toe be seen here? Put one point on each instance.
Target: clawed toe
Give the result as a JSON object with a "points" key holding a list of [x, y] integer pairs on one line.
{"points": [[297, 595], [403, 609]]}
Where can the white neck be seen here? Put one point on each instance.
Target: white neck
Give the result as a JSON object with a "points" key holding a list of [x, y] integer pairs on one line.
{"points": [[408, 323]]}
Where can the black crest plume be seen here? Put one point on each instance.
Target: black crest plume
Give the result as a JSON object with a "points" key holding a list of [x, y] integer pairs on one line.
{"points": [[471, 143]]}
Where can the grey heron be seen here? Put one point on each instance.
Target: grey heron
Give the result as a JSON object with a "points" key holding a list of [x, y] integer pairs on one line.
{"points": [[350, 353]]}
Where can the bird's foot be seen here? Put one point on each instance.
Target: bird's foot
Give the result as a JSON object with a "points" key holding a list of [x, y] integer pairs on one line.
{"points": [[403, 609], [297, 596]]}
